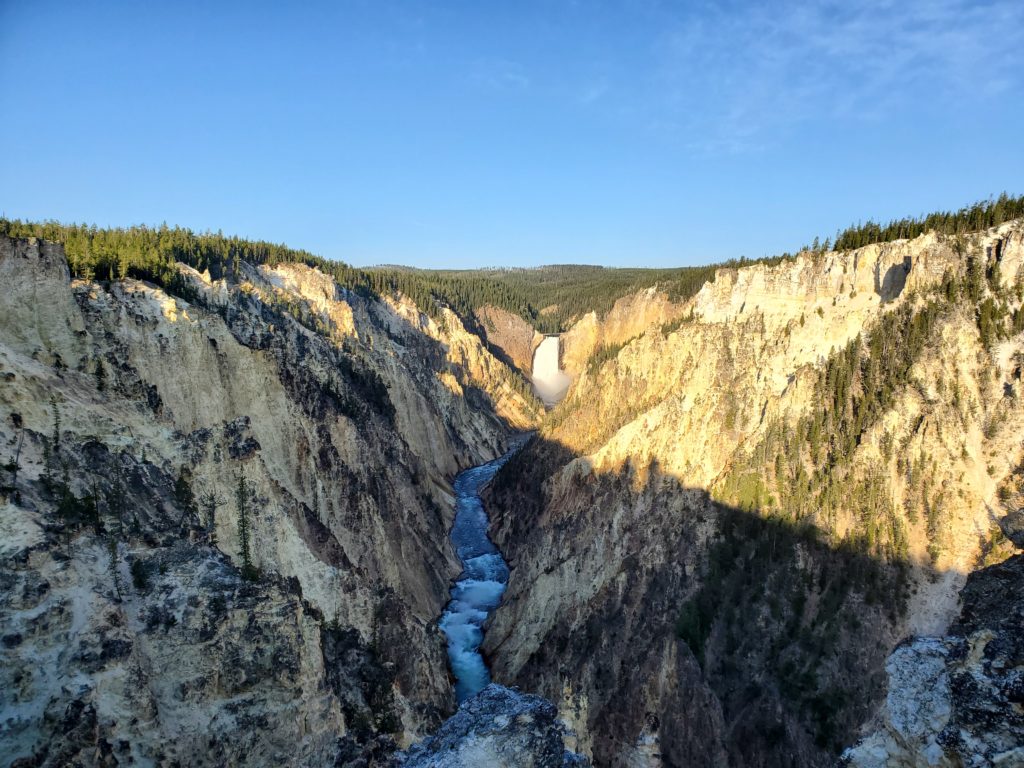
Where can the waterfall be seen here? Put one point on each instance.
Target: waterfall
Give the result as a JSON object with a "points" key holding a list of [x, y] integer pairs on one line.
{"points": [[548, 379]]}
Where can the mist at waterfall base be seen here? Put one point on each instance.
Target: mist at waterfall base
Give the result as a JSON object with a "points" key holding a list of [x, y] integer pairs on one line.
{"points": [[548, 379], [479, 588]]}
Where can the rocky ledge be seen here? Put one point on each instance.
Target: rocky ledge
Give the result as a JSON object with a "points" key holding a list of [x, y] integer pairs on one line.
{"points": [[501, 728], [958, 700]]}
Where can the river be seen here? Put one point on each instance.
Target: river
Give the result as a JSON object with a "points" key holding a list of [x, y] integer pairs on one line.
{"points": [[478, 590]]}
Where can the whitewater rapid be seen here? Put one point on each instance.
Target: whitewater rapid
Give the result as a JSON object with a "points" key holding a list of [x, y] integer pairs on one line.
{"points": [[478, 590]]}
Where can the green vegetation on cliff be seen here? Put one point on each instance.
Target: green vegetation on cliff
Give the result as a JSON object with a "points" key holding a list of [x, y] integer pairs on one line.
{"points": [[552, 298], [973, 218], [776, 610], [549, 298], [806, 470]]}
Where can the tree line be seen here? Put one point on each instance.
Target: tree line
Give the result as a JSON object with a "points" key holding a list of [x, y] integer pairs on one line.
{"points": [[972, 218], [549, 298]]}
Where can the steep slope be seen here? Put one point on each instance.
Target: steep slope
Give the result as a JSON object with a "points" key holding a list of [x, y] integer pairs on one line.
{"points": [[956, 700], [512, 335], [628, 318], [224, 517], [725, 528]]}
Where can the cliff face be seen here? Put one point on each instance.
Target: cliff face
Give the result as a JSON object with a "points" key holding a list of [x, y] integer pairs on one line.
{"points": [[722, 532], [511, 334], [156, 444], [956, 700], [629, 317]]}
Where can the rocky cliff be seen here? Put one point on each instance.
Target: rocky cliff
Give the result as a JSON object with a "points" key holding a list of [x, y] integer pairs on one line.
{"points": [[515, 338], [726, 527], [498, 728], [628, 318], [224, 514], [957, 700]]}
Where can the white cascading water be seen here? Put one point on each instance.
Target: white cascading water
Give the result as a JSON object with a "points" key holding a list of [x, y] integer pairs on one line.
{"points": [[548, 379], [478, 590]]}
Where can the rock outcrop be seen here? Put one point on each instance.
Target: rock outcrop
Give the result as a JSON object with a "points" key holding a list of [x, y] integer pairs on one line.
{"points": [[958, 700], [511, 335], [499, 728], [628, 318]]}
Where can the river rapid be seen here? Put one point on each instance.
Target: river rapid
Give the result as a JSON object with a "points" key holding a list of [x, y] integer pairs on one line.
{"points": [[478, 590]]}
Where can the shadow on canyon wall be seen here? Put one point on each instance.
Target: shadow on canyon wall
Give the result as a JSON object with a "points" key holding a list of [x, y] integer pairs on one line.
{"points": [[720, 636], [99, 491]]}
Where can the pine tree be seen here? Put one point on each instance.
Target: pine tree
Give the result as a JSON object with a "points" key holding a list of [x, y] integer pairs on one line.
{"points": [[14, 465], [184, 496], [209, 502], [975, 279], [55, 409], [242, 500]]}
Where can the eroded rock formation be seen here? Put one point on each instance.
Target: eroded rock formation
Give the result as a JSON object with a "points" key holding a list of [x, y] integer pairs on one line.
{"points": [[958, 700], [138, 425], [499, 728], [688, 581]]}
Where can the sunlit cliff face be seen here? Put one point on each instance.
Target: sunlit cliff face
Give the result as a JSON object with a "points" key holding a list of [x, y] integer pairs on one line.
{"points": [[613, 530]]}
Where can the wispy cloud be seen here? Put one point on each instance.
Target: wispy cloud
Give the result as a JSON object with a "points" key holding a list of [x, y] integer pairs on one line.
{"points": [[592, 92], [499, 75], [736, 77]]}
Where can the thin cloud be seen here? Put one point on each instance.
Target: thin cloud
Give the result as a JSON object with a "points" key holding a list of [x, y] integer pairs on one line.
{"points": [[499, 75], [592, 93], [733, 78]]}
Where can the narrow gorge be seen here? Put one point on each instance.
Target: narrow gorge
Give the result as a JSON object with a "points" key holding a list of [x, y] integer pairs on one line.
{"points": [[478, 590], [263, 509]]}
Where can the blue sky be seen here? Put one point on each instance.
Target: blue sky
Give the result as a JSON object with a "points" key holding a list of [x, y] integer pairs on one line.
{"points": [[448, 134]]}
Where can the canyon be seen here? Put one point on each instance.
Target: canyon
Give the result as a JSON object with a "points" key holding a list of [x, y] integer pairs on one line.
{"points": [[691, 585], [136, 638], [770, 522]]}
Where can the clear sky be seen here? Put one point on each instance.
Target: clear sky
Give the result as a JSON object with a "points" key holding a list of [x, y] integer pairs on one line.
{"points": [[492, 133]]}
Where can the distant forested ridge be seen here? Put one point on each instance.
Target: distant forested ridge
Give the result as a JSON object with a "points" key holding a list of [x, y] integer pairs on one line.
{"points": [[150, 253], [549, 298]]}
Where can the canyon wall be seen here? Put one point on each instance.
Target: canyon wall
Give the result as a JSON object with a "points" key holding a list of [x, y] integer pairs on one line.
{"points": [[722, 532], [513, 337], [628, 318], [224, 514]]}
